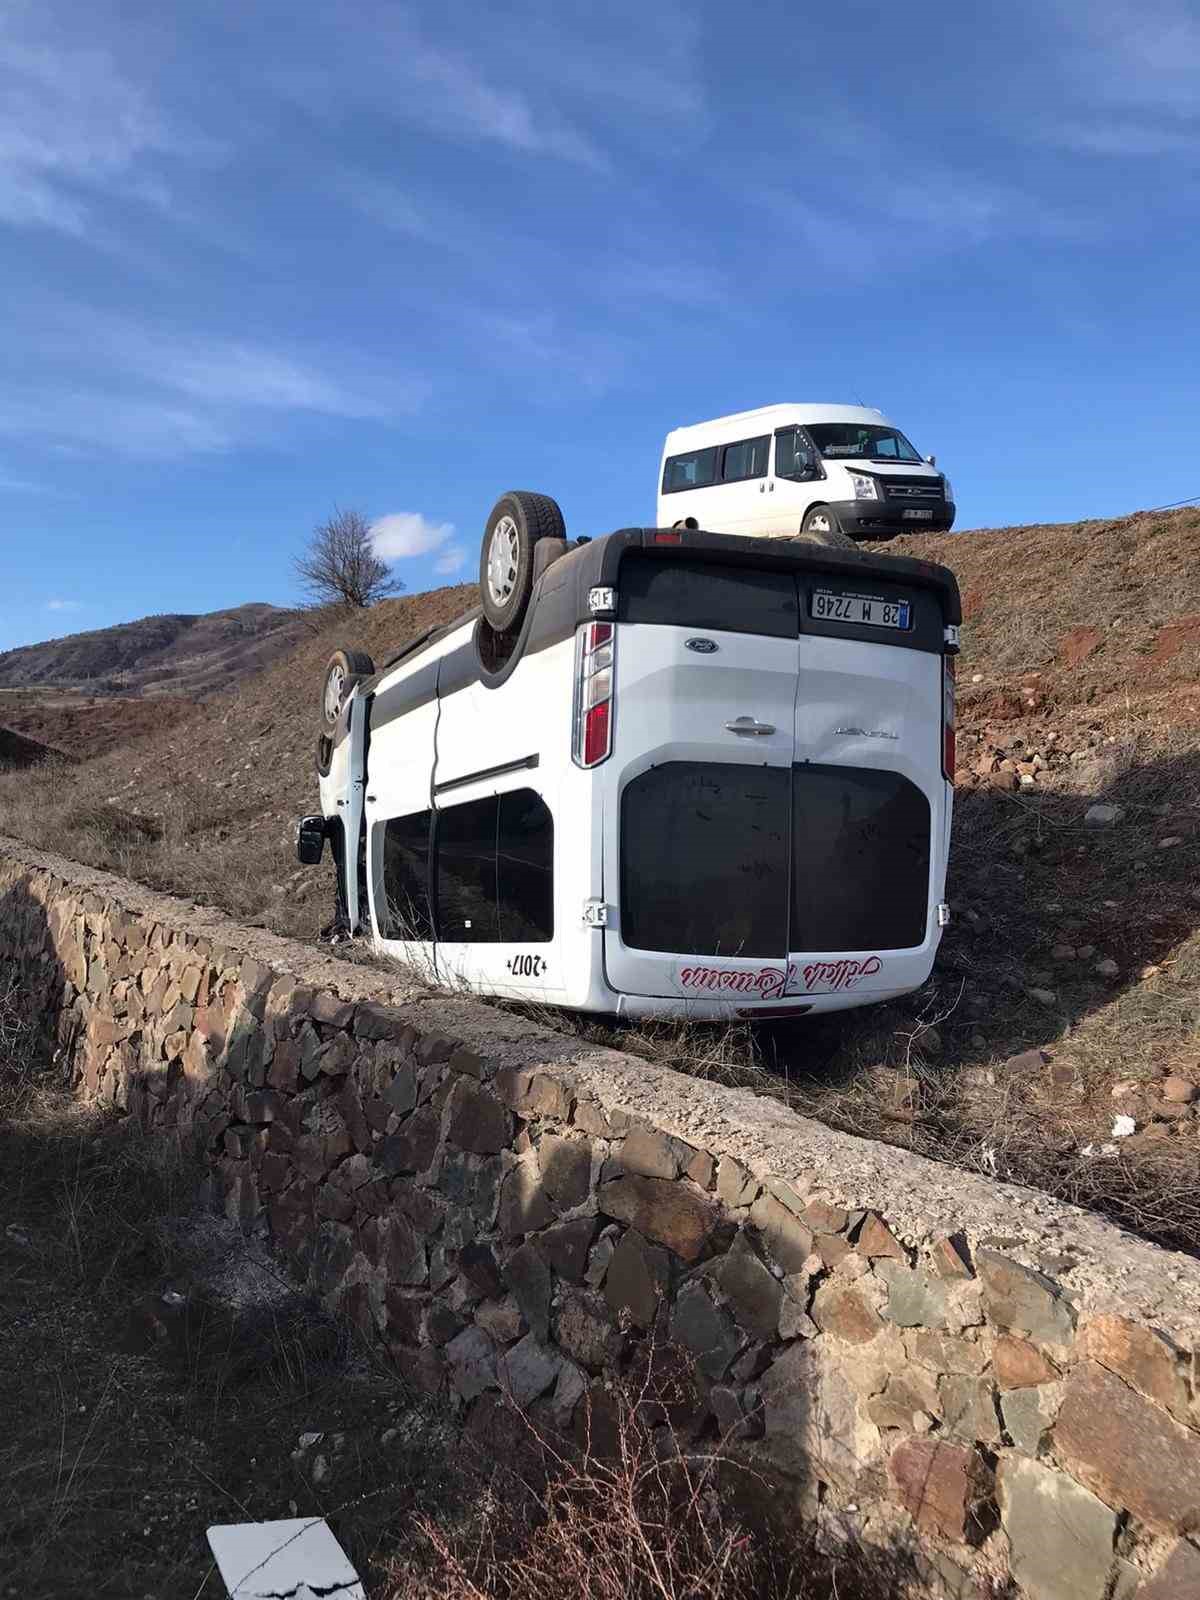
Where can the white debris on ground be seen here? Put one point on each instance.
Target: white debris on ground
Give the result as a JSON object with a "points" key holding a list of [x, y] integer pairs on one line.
{"points": [[1122, 1127], [299, 1558]]}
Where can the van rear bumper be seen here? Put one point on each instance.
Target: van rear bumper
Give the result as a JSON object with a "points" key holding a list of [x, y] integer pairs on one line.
{"points": [[875, 519], [704, 1009]]}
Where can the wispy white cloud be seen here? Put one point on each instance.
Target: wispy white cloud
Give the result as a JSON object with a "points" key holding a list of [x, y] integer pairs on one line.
{"points": [[74, 127], [451, 561], [404, 534], [89, 421], [64, 605]]}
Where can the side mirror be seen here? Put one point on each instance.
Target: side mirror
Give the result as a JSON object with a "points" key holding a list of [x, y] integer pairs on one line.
{"points": [[310, 840], [931, 460]]}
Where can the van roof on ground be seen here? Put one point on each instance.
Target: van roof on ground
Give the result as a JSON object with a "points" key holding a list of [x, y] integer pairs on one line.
{"points": [[769, 417]]}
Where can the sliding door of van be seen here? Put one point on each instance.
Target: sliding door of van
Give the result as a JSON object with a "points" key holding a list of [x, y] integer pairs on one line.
{"points": [[869, 806], [696, 791], [494, 889], [399, 809]]}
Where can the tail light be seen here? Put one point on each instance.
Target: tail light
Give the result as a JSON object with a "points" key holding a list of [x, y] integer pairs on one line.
{"points": [[949, 731], [591, 735]]}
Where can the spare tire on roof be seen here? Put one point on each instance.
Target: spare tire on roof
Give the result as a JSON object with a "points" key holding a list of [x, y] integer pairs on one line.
{"points": [[519, 520]]}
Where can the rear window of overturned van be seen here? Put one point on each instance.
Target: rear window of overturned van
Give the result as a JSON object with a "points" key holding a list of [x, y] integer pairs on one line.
{"points": [[707, 594]]}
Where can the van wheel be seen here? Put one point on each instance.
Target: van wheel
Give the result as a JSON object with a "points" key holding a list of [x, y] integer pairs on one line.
{"points": [[821, 526], [518, 521], [345, 669]]}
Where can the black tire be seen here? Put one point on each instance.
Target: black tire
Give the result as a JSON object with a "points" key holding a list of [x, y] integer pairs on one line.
{"points": [[518, 521], [821, 526], [344, 669]]}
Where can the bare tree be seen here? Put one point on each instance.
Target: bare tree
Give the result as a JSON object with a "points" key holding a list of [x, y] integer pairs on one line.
{"points": [[340, 566]]}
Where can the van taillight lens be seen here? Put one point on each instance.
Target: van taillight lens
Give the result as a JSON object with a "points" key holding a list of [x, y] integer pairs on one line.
{"points": [[949, 716], [591, 736]]}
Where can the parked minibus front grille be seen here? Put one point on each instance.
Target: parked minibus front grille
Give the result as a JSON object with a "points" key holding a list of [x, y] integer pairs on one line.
{"points": [[727, 860], [906, 489]]}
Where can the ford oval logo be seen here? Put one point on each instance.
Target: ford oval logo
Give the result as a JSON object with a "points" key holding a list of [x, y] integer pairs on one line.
{"points": [[704, 647]]}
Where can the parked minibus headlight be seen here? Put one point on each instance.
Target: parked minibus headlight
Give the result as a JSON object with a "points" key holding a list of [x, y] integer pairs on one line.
{"points": [[947, 488], [865, 488]]}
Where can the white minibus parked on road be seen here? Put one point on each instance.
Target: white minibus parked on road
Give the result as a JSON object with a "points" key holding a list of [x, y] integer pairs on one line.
{"points": [[834, 474], [663, 772]]}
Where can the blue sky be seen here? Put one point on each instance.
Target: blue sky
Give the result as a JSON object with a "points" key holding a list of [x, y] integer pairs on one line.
{"points": [[260, 259]]}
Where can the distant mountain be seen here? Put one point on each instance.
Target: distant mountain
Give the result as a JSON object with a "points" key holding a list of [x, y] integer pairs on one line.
{"points": [[173, 655]]}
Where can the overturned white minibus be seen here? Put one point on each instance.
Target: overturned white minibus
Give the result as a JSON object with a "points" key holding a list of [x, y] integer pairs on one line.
{"points": [[664, 772]]}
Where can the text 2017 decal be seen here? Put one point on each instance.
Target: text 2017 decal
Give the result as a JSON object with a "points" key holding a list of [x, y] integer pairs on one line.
{"points": [[770, 983]]}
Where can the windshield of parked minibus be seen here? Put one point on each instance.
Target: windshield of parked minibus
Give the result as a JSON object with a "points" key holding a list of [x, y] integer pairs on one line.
{"points": [[859, 442]]}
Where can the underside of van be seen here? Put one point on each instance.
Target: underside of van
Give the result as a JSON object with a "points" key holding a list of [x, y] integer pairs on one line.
{"points": [[706, 776]]}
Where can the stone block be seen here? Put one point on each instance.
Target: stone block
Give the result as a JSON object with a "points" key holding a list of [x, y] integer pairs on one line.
{"points": [[704, 1331], [941, 1485], [442, 1323], [328, 1010], [1024, 1301], [585, 1329], [471, 1362], [534, 1094], [528, 1279], [951, 1259], [1178, 1578], [638, 1276], [1128, 1451], [969, 1409], [651, 1154], [876, 1239], [754, 1295], [501, 1320], [701, 1168], [735, 1185], [789, 1240], [372, 1021], [670, 1212], [527, 1370], [910, 1402], [1017, 1364], [401, 1091], [1060, 1536], [476, 1121], [916, 1299], [404, 1258], [566, 1246], [824, 1217], [1146, 1360], [412, 1147], [1029, 1414], [478, 1263], [524, 1207], [842, 1311], [566, 1169]]}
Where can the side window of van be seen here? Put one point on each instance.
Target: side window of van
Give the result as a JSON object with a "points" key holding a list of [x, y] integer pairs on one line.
{"points": [[747, 459], [495, 870], [696, 470], [406, 913]]}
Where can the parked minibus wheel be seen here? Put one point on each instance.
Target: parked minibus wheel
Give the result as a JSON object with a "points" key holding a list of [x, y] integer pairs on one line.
{"points": [[344, 669], [518, 521], [821, 526]]}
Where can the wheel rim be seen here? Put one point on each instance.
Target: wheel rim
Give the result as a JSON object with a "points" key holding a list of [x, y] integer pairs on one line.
{"points": [[335, 685], [819, 522], [503, 554]]}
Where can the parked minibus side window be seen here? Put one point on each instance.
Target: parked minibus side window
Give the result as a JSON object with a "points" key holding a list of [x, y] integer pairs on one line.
{"points": [[695, 470], [406, 913], [495, 870], [746, 459]]}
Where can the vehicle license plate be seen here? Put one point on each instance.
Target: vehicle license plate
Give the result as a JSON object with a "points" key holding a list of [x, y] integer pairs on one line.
{"points": [[916, 514], [861, 608]]}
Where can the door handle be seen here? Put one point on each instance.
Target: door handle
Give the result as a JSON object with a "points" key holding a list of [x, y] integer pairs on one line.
{"points": [[762, 488], [749, 725]]}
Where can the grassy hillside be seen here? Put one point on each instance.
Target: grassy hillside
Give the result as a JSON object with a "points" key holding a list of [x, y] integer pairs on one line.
{"points": [[1068, 987]]}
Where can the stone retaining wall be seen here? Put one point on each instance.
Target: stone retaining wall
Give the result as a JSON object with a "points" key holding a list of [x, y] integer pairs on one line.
{"points": [[1005, 1380]]}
